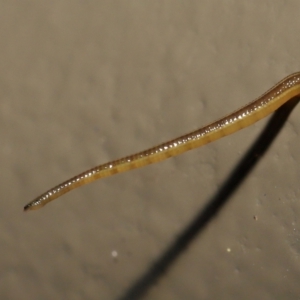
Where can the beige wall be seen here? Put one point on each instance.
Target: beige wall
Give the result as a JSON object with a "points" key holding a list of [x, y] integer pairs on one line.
{"points": [[83, 82]]}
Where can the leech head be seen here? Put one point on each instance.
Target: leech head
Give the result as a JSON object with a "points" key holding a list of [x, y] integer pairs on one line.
{"points": [[34, 205]]}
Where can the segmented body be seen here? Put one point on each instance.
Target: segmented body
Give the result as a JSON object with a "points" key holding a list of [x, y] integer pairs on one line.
{"points": [[283, 91]]}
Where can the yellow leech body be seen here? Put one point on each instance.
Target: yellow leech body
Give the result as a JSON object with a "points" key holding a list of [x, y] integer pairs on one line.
{"points": [[256, 110]]}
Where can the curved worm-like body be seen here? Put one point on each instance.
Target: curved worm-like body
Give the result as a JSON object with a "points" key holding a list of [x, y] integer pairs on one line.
{"points": [[283, 91]]}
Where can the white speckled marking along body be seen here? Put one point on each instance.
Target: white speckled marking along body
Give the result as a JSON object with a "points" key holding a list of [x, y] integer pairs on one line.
{"points": [[270, 101]]}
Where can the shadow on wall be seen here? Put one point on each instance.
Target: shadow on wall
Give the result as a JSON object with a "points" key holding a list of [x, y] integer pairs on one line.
{"points": [[213, 207]]}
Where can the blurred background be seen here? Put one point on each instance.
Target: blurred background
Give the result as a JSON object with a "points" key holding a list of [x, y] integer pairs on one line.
{"points": [[85, 82]]}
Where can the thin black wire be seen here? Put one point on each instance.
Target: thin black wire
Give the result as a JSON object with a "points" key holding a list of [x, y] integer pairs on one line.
{"points": [[214, 205]]}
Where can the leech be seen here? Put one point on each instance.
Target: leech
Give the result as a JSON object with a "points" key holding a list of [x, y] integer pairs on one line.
{"points": [[282, 92]]}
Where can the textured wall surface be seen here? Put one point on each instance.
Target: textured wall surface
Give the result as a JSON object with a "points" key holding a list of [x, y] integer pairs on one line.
{"points": [[84, 82]]}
